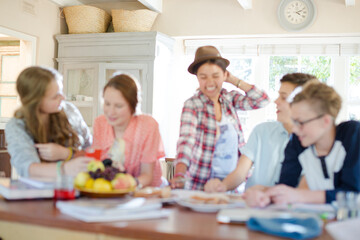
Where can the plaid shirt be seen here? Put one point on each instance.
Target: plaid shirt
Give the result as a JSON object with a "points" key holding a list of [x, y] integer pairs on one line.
{"points": [[196, 144]]}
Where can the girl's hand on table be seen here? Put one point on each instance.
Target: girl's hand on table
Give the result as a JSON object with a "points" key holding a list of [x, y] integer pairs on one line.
{"points": [[282, 194], [76, 165], [256, 197], [52, 151], [214, 185]]}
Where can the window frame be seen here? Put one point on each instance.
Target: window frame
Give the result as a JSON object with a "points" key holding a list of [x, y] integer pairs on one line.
{"points": [[340, 47]]}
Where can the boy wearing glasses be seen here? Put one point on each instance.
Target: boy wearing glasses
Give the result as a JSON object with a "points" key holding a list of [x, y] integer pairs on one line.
{"points": [[328, 155]]}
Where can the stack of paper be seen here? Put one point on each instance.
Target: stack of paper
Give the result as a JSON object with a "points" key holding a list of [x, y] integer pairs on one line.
{"points": [[325, 211], [39, 182], [15, 189], [105, 210], [344, 230], [242, 215]]}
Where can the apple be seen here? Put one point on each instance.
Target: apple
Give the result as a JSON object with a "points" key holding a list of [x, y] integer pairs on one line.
{"points": [[120, 182], [131, 180], [81, 178], [94, 165], [123, 181]]}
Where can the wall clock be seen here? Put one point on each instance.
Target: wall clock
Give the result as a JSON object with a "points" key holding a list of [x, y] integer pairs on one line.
{"points": [[296, 15]]}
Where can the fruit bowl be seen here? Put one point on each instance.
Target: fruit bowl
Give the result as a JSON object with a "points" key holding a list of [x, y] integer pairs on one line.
{"points": [[105, 194]]}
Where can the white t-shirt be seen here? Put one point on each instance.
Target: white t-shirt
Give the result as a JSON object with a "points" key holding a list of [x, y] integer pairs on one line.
{"points": [[226, 149]]}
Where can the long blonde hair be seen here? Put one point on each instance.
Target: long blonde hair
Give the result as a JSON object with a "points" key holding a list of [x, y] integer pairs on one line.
{"points": [[31, 85], [322, 98]]}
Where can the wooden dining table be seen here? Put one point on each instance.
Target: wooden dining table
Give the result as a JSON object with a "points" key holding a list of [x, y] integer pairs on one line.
{"points": [[40, 219]]}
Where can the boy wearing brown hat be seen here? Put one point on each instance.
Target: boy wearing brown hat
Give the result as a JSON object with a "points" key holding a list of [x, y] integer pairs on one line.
{"points": [[210, 132]]}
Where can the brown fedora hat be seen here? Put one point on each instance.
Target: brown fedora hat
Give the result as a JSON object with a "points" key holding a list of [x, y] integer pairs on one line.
{"points": [[206, 53]]}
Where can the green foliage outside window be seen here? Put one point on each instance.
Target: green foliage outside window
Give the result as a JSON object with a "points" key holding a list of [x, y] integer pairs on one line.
{"points": [[355, 70], [319, 66], [279, 66]]}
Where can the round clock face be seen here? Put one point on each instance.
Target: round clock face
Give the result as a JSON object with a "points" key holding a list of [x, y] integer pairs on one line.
{"points": [[296, 15], [296, 12]]}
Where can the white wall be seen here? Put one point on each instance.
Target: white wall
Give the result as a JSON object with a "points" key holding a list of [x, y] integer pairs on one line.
{"points": [[43, 25], [182, 18], [227, 17]]}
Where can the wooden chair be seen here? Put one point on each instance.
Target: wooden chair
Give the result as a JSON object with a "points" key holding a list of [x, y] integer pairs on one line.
{"points": [[169, 168], [5, 166]]}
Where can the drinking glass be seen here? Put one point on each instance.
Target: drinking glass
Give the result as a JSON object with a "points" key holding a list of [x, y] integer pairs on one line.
{"points": [[64, 188]]}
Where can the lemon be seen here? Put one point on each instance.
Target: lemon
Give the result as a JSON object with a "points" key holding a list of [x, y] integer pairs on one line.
{"points": [[89, 183], [102, 185]]}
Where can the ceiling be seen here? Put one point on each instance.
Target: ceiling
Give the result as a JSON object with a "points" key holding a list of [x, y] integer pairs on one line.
{"points": [[155, 5]]}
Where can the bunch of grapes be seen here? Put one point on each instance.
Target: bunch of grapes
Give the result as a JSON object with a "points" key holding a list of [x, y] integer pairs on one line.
{"points": [[97, 174], [108, 174]]}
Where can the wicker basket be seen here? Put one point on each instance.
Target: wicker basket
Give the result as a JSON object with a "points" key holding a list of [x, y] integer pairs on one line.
{"points": [[86, 19], [133, 21]]}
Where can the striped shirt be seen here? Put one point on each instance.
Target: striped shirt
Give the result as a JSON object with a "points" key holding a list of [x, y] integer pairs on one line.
{"points": [[196, 144]]}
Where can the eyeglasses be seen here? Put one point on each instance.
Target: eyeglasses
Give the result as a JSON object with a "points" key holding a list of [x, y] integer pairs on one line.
{"points": [[300, 124]]}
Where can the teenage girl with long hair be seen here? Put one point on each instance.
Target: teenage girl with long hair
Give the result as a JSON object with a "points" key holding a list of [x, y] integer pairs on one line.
{"points": [[45, 129]]}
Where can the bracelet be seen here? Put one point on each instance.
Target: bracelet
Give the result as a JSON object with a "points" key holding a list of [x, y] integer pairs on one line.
{"points": [[179, 174], [238, 84], [70, 154]]}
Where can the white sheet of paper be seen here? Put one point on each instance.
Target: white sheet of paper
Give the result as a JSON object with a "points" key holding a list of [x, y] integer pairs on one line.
{"points": [[344, 230]]}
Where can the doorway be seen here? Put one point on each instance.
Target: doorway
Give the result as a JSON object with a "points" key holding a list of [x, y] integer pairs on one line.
{"points": [[17, 51]]}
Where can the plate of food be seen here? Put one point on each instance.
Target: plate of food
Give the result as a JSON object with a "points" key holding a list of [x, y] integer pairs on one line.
{"points": [[163, 194], [211, 202]]}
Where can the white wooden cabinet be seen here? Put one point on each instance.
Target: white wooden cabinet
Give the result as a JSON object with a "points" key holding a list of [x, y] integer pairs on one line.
{"points": [[87, 62]]}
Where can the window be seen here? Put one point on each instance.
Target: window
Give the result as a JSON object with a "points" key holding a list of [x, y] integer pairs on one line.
{"points": [[319, 66], [353, 100], [243, 68], [9, 62], [264, 60], [17, 51]]}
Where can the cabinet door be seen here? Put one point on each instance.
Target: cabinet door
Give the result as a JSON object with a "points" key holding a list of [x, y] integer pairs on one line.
{"points": [[137, 71], [81, 88]]}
